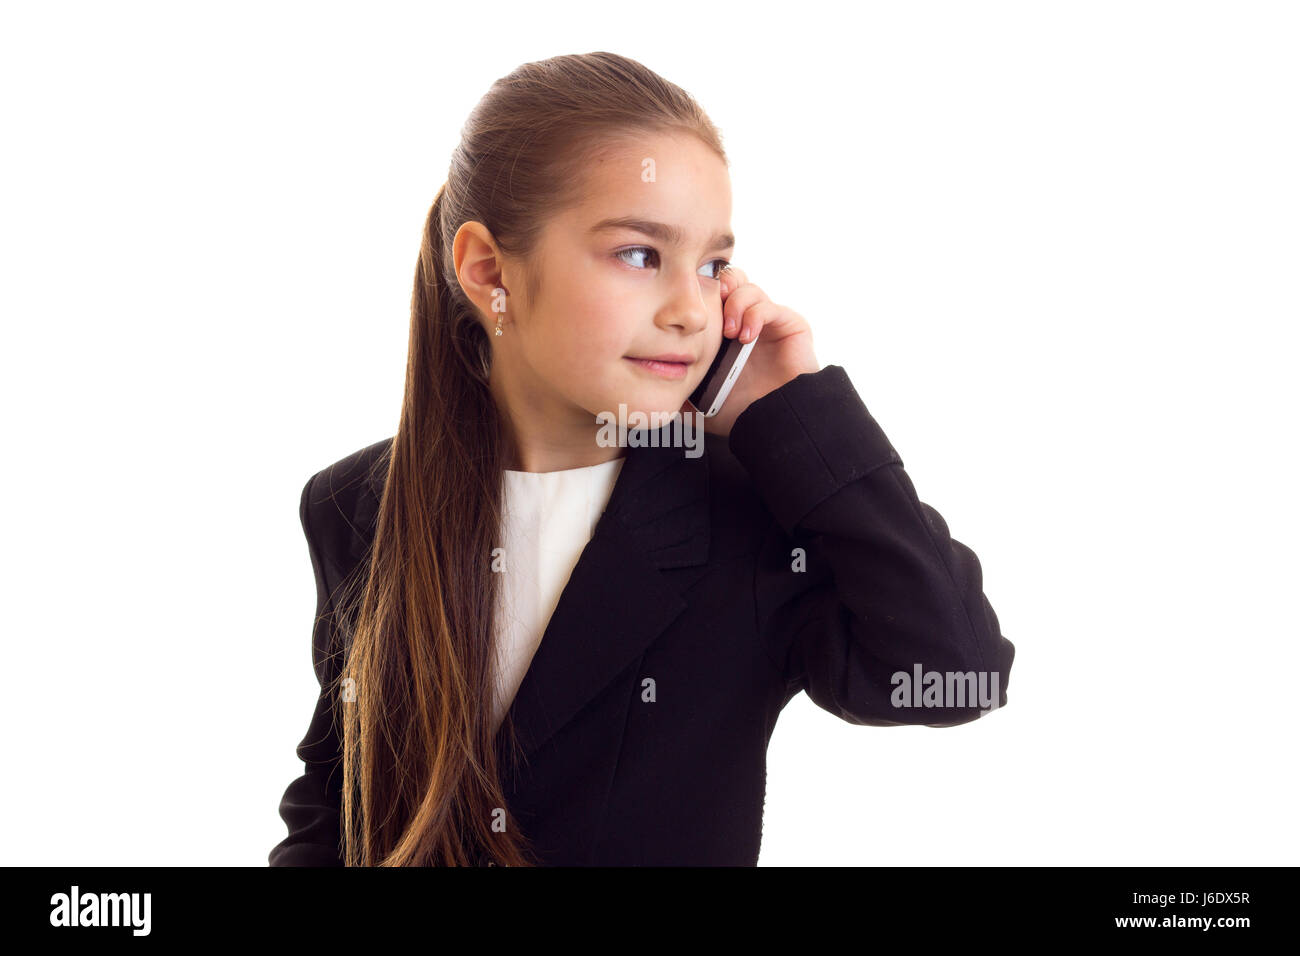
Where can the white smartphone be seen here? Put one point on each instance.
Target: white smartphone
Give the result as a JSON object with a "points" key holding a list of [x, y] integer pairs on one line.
{"points": [[721, 376]]}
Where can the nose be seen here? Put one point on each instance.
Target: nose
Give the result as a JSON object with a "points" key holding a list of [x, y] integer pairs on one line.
{"points": [[687, 309]]}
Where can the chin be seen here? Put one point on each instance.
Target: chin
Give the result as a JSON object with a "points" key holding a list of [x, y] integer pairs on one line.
{"points": [[641, 412]]}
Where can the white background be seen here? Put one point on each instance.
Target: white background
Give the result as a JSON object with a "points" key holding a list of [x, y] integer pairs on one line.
{"points": [[1055, 245]]}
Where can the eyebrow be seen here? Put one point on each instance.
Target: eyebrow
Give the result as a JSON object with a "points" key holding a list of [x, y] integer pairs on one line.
{"points": [[673, 235]]}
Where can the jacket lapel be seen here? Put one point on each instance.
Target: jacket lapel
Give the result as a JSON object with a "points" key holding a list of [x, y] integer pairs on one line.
{"points": [[617, 601]]}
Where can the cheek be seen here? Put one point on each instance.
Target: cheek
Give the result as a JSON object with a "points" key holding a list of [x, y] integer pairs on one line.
{"points": [[599, 326], [595, 316], [577, 349]]}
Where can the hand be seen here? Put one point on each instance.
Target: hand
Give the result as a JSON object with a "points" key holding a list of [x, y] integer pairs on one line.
{"points": [[784, 349]]}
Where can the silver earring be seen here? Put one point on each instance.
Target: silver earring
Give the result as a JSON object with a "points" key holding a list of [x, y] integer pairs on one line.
{"points": [[499, 318]]}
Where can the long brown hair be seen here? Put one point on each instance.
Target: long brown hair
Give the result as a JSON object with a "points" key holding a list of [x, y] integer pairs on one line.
{"points": [[421, 769]]}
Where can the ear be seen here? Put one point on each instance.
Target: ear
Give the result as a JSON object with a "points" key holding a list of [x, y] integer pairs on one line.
{"points": [[478, 264]]}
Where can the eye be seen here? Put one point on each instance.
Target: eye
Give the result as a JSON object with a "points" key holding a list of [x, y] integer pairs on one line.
{"points": [[720, 269], [635, 250], [715, 266]]}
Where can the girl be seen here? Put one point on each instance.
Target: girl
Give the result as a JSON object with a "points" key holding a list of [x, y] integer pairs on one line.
{"points": [[535, 648]]}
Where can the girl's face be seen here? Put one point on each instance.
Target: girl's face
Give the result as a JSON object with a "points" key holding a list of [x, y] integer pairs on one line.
{"points": [[630, 273]]}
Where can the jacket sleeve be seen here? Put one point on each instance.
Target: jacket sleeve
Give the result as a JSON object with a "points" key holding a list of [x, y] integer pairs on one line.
{"points": [[311, 804], [881, 617]]}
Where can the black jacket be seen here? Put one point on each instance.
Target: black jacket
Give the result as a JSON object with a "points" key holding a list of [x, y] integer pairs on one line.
{"points": [[792, 556]]}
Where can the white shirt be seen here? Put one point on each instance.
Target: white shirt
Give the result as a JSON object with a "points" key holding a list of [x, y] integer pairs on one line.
{"points": [[547, 519]]}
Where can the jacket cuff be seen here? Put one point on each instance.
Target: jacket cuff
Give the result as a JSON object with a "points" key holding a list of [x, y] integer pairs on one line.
{"points": [[804, 441]]}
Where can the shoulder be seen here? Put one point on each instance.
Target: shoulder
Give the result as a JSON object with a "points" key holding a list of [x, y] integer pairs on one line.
{"points": [[340, 502]]}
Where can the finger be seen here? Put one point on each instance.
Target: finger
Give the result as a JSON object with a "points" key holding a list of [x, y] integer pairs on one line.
{"points": [[731, 278], [733, 309], [758, 317]]}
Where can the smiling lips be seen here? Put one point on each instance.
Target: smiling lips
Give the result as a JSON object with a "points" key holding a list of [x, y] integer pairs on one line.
{"points": [[665, 366]]}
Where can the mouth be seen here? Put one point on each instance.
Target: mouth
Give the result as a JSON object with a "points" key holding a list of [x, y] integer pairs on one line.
{"points": [[665, 366]]}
